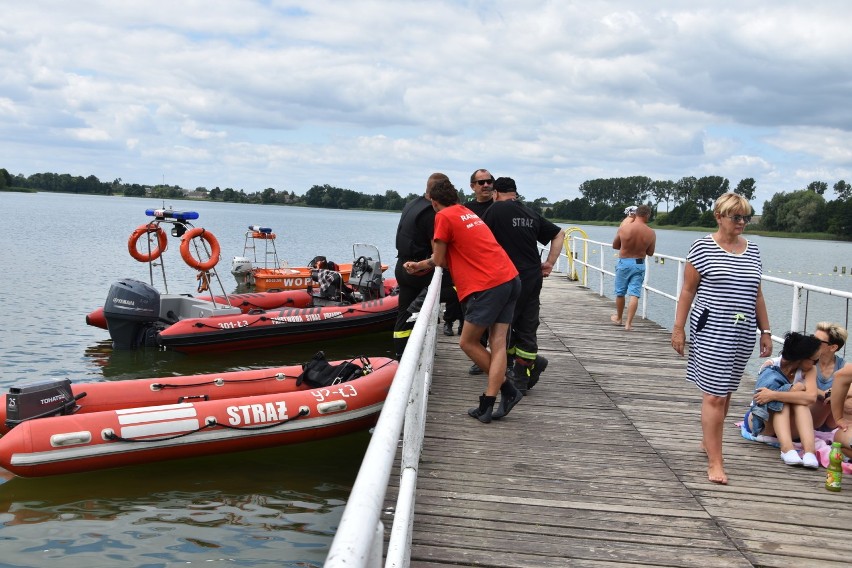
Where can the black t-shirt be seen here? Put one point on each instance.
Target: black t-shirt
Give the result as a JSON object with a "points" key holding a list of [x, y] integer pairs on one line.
{"points": [[478, 207], [518, 228]]}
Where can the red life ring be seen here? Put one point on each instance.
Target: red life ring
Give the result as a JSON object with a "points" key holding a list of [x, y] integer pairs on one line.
{"points": [[162, 242], [191, 260]]}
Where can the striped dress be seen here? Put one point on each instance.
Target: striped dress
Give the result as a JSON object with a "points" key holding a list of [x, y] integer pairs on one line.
{"points": [[723, 320]]}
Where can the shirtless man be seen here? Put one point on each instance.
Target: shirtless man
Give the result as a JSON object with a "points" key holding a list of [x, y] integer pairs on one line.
{"points": [[634, 240]]}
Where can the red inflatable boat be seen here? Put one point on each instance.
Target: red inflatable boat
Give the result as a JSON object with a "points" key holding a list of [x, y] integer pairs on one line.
{"points": [[104, 425]]}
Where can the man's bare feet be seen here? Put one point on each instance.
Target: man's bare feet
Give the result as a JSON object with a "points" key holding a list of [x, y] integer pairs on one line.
{"points": [[628, 327], [614, 319], [716, 474]]}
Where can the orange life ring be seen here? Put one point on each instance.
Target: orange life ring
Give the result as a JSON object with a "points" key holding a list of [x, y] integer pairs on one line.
{"points": [[191, 260], [162, 242]]}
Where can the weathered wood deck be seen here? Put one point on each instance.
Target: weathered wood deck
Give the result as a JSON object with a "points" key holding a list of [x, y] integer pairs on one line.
{"points": [[600, 464]]}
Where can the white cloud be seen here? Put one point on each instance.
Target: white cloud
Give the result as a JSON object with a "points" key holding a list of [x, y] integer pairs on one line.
{"points": [[375, 95]]}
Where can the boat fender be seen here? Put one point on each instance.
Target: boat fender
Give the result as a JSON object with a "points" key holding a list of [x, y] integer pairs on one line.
{"points": [[210, 239], [162, 242]]}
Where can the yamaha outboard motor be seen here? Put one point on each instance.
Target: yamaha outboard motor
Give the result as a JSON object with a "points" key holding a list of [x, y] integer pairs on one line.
{"points": [[132, 310]]}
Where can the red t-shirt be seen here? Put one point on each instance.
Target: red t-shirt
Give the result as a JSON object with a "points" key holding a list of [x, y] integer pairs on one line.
{"points": [[474, 258]]}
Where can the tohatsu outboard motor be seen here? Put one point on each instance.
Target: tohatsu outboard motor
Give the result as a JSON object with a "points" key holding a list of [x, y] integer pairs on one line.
{"points": [[132, 312]]}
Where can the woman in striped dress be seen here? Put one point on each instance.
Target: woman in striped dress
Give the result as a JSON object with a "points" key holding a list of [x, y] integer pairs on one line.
{"points": [[722, 286]]}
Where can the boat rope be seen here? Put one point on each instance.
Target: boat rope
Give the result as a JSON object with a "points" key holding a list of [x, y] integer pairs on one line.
{"points": [[209, 424], [220, 382]]}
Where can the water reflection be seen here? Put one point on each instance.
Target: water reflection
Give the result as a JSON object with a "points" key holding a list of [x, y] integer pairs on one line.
{"points": [[240, 506]]}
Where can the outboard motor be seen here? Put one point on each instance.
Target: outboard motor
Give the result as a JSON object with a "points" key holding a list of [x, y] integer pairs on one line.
{"points": [[132, 310], [241, 267], [38, 399]]}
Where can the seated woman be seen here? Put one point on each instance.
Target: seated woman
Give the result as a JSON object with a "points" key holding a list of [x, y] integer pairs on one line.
{"points": [[833, 337], [799, 355], [841, 413]]}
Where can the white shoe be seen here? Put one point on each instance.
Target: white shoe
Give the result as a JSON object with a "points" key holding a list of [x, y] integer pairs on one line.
{"points": [[810, 461], [791, 457]]}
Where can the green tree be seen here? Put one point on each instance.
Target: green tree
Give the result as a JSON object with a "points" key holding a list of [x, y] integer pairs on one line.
{"points": [[214, 194], [818, 187], [708, 189], [662, 190], [842, 190], [746, 188], [795, 212], [5, 178]]}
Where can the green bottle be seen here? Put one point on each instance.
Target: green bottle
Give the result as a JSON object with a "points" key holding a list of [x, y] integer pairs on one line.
{"points": [[835, 468]]}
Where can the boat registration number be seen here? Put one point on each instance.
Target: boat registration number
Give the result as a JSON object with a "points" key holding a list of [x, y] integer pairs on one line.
{"points": [[344, 390]]}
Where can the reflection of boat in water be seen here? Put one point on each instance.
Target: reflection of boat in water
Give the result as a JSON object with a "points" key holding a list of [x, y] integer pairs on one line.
{"points": [[137, 315], [55, 427], [271, 273]]}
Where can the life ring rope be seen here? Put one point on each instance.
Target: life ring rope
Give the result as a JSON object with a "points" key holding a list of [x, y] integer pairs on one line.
{"points": [[209, 239], [150, 255]]}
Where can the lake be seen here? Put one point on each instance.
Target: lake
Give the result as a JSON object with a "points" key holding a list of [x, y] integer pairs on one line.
{"points": [[272, 507]]}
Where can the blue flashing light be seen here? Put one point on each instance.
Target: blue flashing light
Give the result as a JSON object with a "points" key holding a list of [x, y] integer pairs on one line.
{"points": [[170, 214], [259, 229]]}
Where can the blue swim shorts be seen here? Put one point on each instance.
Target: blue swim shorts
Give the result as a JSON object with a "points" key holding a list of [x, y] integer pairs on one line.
{"points": [[629, 274]]}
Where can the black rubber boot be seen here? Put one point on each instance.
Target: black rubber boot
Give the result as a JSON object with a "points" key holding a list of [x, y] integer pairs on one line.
{"points": [[448, 328], [538, 368], [521, 376], [484, 410], [509, 397]]}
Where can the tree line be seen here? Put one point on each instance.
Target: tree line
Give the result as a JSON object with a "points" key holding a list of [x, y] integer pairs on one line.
{"points": [[688, 201]]}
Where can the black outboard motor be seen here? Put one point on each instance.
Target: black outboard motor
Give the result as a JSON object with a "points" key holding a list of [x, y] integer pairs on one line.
{"points": [[132, 310], [38, 399]]}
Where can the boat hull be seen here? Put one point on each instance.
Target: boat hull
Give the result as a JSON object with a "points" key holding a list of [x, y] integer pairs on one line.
{"points": [[281, 327], [98, 439]]}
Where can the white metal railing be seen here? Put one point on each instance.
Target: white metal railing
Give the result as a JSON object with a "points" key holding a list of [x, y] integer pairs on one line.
{"points": [[358, 542], [796, 321]]}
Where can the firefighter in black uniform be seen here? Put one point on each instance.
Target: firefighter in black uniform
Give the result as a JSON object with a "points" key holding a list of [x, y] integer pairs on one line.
{"points": [[414, 242], [518, 228]]}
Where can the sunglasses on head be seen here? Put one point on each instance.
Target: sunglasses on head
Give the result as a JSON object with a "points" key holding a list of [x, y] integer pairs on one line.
{"points": [[484, 181]]}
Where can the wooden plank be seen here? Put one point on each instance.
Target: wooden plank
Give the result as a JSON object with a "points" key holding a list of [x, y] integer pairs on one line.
{"points": [[600, 464]]}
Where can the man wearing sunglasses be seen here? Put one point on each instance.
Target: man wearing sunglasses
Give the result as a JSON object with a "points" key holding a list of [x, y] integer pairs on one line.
{"points": [[482, 184]]}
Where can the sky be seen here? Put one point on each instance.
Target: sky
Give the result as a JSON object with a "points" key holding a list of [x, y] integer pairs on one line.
{"points": [[376, 95]]}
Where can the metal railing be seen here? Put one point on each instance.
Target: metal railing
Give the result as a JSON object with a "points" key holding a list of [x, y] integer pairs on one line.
{"points": [[800, 290], [358, 542]]}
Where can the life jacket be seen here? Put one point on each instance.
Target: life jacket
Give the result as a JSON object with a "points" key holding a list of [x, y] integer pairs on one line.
{"points": [[410, 244]]}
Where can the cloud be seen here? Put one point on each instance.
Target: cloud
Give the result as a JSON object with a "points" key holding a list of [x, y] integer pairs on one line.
{"points": [[375, 95]]}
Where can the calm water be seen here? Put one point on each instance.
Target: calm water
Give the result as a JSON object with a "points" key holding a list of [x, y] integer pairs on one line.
{"points": [[272, 507]]}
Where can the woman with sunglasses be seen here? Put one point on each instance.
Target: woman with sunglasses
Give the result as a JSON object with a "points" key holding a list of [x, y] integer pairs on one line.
{"points": [[796, 366], [832, 338], [722, 278]]}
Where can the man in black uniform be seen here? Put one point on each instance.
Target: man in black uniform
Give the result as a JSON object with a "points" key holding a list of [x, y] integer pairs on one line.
{"points": [[518, 228], [414, 242]]}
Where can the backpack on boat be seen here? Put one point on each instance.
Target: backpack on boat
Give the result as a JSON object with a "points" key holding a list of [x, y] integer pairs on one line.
{"points": [[320, 373]]}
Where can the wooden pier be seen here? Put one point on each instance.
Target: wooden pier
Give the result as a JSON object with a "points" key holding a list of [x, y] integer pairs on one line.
{"points": [[600, 464]]}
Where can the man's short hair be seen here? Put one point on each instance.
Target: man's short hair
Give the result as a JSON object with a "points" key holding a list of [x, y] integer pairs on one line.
{"points": [[643, 211]]}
